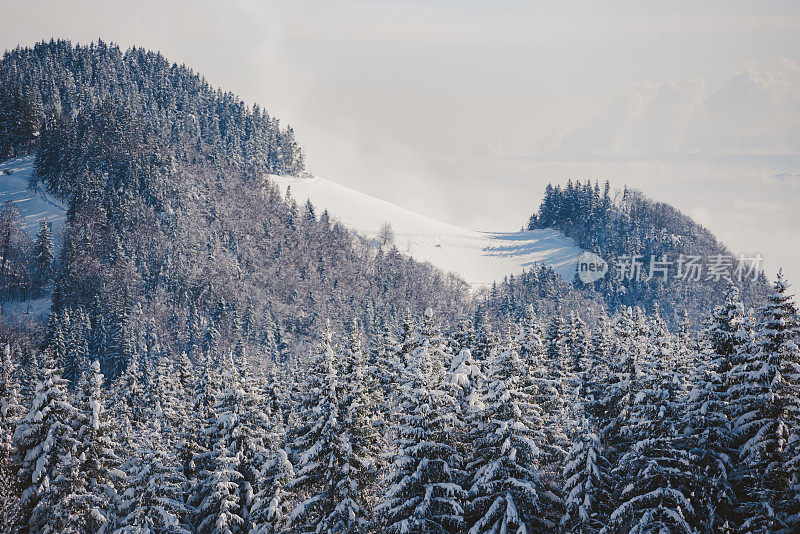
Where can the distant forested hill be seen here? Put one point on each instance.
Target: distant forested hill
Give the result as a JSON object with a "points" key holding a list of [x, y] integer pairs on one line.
{"points": [[136, 96], [173, 228], [619, 226]]}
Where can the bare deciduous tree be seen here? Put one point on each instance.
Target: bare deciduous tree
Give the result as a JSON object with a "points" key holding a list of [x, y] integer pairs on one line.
{"points": [[386, 234]]}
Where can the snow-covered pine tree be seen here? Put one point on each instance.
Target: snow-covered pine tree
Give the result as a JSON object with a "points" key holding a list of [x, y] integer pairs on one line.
{"points": [[211, 340], [707, 427], [463, 337], [50, 468], [79, 341], [578, 344], [726, 332], [186, 376], [193, 330], [504, 494], [660, 342], [275, 392], [295, 382], [11, 410], [195, 443], [272, 504], [465, 380], [383, 364], [408, 340], [657, 475], [30, 375], [687, 344], [656, 492], [97, 342], [335, 444], [389, 367], [597, 368], [423, 492], [119, 335], [217, 492], [152, 501], [624, 363], [553, 388], [383, 352], [763, 392], [486, 341], [167, 390], [361, 418], [314, 442], [98, 500], [270, 344], [73, 356], [557, 341], [43, 254], [130, 398], [56, 340], [236, 430], [529, 338], [588, 484]]}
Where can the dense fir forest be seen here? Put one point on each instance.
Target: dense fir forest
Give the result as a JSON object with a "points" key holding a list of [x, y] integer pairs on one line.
{"points": [[172, 217], [618, 224], [217, 359]]}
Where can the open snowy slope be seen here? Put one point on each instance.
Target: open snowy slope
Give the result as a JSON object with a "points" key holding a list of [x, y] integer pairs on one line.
{"points": [[35, 205], [480, 258]]}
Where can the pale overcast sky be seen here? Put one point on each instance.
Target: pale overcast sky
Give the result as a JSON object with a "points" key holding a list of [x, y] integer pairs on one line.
{"points": [[464, 110]]}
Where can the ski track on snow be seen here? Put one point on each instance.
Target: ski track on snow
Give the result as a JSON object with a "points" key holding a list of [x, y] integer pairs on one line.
{"points": [[35, 205]]}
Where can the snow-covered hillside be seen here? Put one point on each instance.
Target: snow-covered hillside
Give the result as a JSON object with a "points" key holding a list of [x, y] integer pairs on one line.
{"points": [[35, 205], [480, 258]]}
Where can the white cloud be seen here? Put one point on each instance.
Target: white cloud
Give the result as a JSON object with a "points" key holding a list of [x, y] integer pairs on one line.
{"points": [[753, 112]]}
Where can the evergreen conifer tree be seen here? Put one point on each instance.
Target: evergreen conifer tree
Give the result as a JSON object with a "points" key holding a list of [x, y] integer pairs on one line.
{"points": [[423, 492], [504, 493]]}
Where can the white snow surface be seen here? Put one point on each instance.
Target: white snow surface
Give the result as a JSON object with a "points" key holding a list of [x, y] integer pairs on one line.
{"points": [[35, 205], [480, 258], [34, 309]]}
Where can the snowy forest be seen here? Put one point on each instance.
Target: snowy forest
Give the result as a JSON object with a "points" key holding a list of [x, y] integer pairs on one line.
{"points": [[545, 427], [617, 223], [216, 358]]}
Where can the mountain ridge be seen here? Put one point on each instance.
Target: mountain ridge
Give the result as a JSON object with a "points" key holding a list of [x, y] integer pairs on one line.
{"points": [[481, 258]]}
